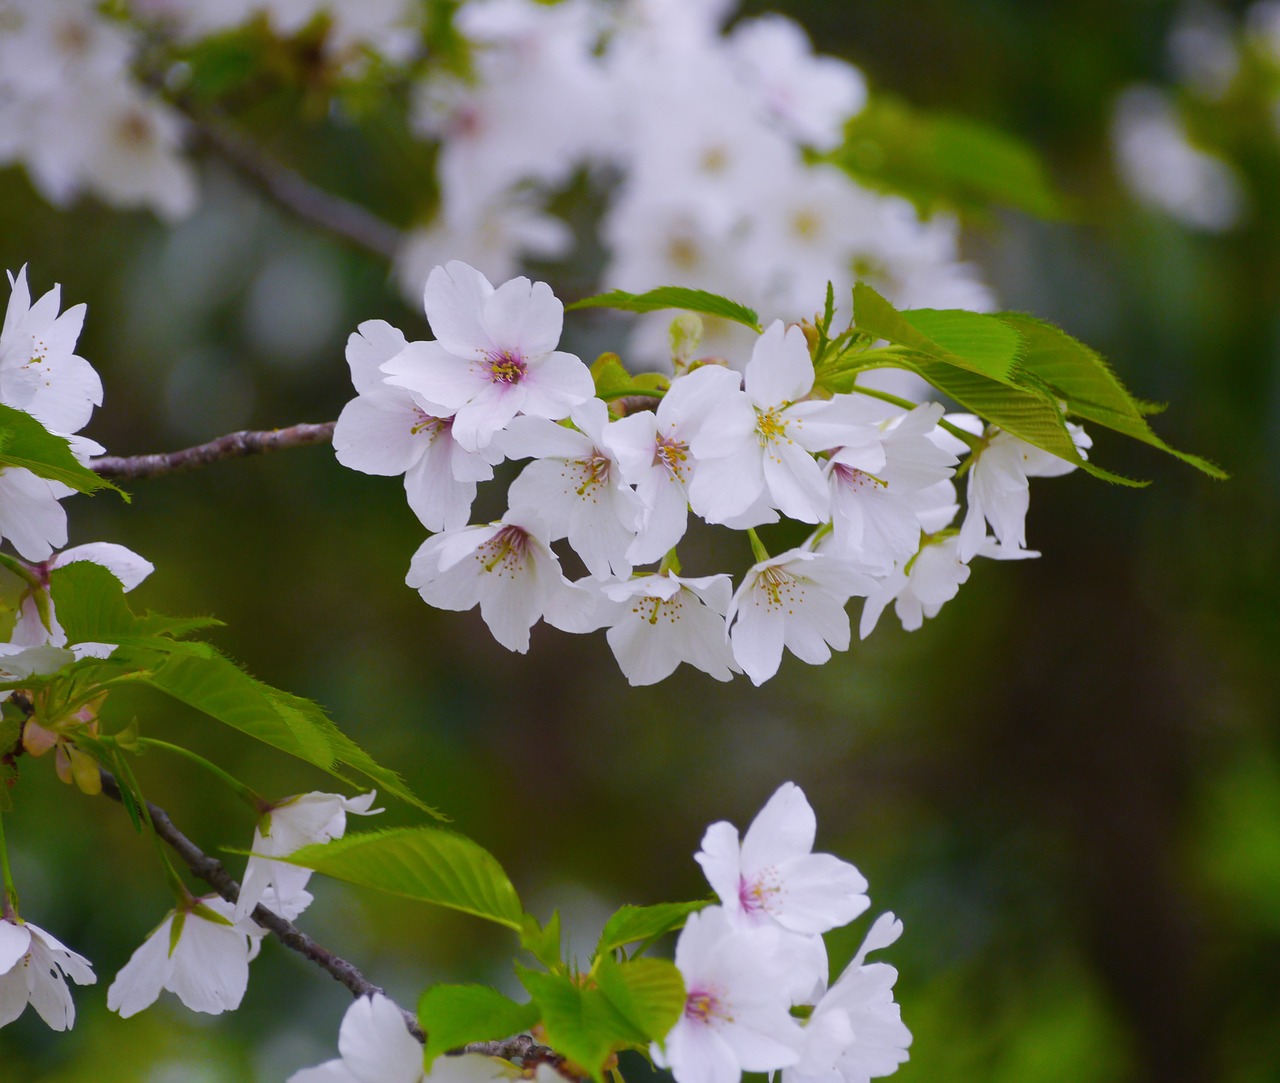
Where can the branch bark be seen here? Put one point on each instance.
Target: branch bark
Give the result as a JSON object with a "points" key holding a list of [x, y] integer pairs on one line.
{"points": [[345, 220], [232, 446]]}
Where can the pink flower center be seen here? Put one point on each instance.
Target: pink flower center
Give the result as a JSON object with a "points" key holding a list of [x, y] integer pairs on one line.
{"points": [[506, 552], [757, 894], [704, 1006], [859, 481], [506, 367]]}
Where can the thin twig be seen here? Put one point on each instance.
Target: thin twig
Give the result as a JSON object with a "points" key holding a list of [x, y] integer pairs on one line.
{"points": [[232, 446], [214, 873], [344, 219]]}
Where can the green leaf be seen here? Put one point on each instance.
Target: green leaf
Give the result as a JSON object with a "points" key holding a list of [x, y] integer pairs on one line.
{"points": [[941, 160], [1082, 378], [631, 923], [92, 609], [424, 863], [709, 304], [453, 1015], [583, 1024], [543, 943], [648, 993], [24, 442], [969, 340]]}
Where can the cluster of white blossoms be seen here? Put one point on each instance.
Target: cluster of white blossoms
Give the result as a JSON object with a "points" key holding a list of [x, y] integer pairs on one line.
{"points": [[738, 449], [705, 134], [750, 962], [73, 113]]}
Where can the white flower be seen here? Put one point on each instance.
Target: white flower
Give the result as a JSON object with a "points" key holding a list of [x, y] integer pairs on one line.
{"points": [[856, 1033], [756, 443], [795, 600], [199, 952], [494, 356], [389, 430], [737, 1013], [40, 372], [30, 516], [576, 486], [875, 478], [507, 568], [34, 967], [999, 491], [653, 451], [809, 96], [17, 662], [774, 876], [658, 621], [292, 824]]}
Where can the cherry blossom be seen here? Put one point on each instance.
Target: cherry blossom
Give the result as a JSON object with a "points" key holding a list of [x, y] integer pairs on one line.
{"points": [[40, 372], [737, 1014], [198, 952], [390, 430], [494, 356], [290, 825], [756, 444], [508, 569], [34, 967], [658, 621], [577, 486], [795, 600], [773, 875], [855, 1032]]}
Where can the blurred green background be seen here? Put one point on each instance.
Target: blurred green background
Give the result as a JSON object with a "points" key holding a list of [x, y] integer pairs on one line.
{"points": [[1067, 785]]}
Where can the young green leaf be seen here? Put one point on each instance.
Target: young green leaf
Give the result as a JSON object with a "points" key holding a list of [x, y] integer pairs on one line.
{"points": [[92, 609], [708, 304], [542, 942], [581, 1023], [24, 442], [968, 340], [424, 863], [631, 923], [1085, 382], [648, 993], [453, 1015]]}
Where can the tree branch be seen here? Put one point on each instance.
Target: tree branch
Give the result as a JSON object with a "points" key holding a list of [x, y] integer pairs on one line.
{"points": [[214, 873], [521, 1048], [348, 221], [232, 446]]}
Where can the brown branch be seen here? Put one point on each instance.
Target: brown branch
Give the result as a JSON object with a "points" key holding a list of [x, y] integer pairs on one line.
{"points": [[214, 873], [232, 446], [522, 1048], [346, 220]]}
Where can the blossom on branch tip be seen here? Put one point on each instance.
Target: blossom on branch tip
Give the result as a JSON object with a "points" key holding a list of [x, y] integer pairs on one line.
{"points": [[290, 825], [34, 967], [198, 952]]}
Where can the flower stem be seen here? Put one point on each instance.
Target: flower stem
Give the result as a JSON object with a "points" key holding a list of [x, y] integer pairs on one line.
{"points": [[10, 900], [249, 796], [757, 546]]}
